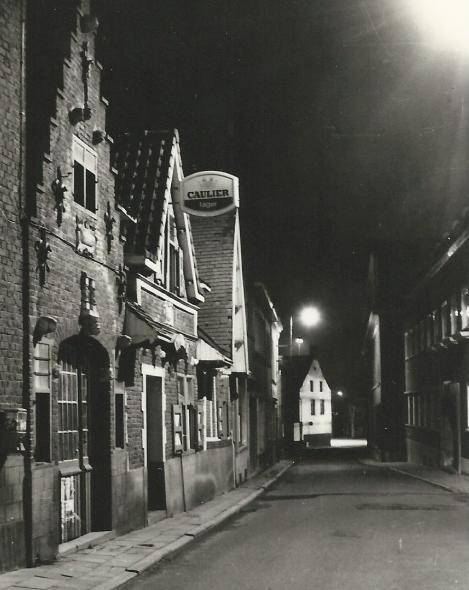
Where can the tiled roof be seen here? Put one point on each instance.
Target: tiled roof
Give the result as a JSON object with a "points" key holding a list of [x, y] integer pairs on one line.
{"points": [[143, 161], [214, 249]]}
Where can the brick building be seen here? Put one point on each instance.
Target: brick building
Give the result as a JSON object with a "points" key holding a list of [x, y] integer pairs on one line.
{"points": [[124, 375], [184, 428], [12, 196], [217, 242]]}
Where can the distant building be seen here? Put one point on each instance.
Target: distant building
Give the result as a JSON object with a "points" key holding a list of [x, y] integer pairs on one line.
{"points": [[383, 366], [264, 329], [307, 402]]}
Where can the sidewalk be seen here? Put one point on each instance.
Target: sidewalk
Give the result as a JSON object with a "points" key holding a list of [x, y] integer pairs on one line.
{"points": [[113, 563], [457, 484]]}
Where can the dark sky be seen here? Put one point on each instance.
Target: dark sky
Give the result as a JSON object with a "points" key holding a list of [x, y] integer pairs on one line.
{"points": [[346, 129]]}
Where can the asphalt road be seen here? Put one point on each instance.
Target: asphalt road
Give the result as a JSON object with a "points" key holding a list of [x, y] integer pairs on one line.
{"points": [[332, 523]]}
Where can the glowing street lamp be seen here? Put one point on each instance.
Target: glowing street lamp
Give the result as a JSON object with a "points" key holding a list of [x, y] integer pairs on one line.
{"points": [[299, 342], [445, 22], [309, 317], [340, 393]]}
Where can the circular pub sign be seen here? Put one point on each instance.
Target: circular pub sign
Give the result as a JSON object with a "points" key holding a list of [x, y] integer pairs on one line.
{"points": [[209, 193]]}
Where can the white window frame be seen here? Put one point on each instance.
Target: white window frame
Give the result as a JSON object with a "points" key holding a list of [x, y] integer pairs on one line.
{"points": [[87, 158]]}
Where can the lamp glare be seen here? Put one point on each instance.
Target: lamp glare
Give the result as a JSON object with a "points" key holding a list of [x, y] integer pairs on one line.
{"points": [[444, 23], [310, 316]]}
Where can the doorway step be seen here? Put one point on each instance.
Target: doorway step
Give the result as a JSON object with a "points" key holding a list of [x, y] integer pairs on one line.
{"points": [[85, 542]]}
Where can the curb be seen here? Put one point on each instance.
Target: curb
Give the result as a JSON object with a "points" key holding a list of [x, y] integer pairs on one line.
{"points": [[177, 546], [415, 476], [426, 480]]}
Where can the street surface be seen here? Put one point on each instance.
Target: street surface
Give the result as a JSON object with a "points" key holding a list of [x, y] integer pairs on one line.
{"points": [[332, 523]]}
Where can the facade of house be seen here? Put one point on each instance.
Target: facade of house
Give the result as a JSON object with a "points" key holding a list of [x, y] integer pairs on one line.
{"points": [[217, 243], [436, 333], [307, 401], [124, 384], [264, 329]]}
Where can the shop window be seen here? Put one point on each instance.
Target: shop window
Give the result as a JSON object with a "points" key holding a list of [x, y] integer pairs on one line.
{"points": [[85, 166], [313, 407], [42, 389], [323, 407]]}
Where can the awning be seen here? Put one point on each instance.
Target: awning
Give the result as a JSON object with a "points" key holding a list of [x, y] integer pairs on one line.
{"points": [[206, 353], [141, 327]]}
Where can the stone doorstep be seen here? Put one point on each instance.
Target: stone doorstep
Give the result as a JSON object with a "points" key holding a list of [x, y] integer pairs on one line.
{"points": [[86, 541]]}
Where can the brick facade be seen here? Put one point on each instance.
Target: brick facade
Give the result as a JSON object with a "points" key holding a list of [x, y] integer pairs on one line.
{"points": [[12, 548]]}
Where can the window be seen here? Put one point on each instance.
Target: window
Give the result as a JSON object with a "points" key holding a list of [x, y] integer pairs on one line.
{"points": [[85, 167], [73, 412], [42, 387], [445, 320], [313, 407], [186, 429], [467, 406], [455, 314], [120, 415], [323, 404], [311, 385], [173, 257], [320, 386], [464, 308]]}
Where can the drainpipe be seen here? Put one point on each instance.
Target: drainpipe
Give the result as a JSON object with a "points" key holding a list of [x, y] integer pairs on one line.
{"points": [[27, 482]]}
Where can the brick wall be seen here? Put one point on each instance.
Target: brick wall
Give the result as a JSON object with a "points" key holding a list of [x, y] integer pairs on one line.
{"points": [[214, 249], [60, 295], [11, 330]]}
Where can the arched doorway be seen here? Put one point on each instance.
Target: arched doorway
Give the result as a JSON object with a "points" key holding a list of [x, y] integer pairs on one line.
{"points": [[83, 437]]}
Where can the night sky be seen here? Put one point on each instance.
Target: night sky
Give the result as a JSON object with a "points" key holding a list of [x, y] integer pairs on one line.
{"points": [[348, 131]]}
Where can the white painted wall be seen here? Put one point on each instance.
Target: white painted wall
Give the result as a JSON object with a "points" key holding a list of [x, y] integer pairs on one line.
{"points": [[322, 423]]}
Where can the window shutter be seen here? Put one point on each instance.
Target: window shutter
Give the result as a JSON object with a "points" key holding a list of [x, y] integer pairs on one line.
{"points": [[178, 422], [220, 421], [201, 425]]}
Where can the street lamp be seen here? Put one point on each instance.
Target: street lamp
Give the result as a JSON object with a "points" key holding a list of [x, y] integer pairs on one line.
{"points": [[340, 393], [446, 22], [299, 342], [309, 317]]}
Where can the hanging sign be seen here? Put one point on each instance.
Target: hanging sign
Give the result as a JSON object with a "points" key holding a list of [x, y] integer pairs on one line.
{"points": [[209, 193]]}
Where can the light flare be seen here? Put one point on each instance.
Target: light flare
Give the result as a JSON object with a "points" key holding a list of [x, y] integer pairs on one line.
{"points": [[444, 23]]}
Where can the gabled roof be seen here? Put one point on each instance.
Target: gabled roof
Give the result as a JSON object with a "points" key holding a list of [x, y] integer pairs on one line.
{"points": [[148, 165], [143, 164]]}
